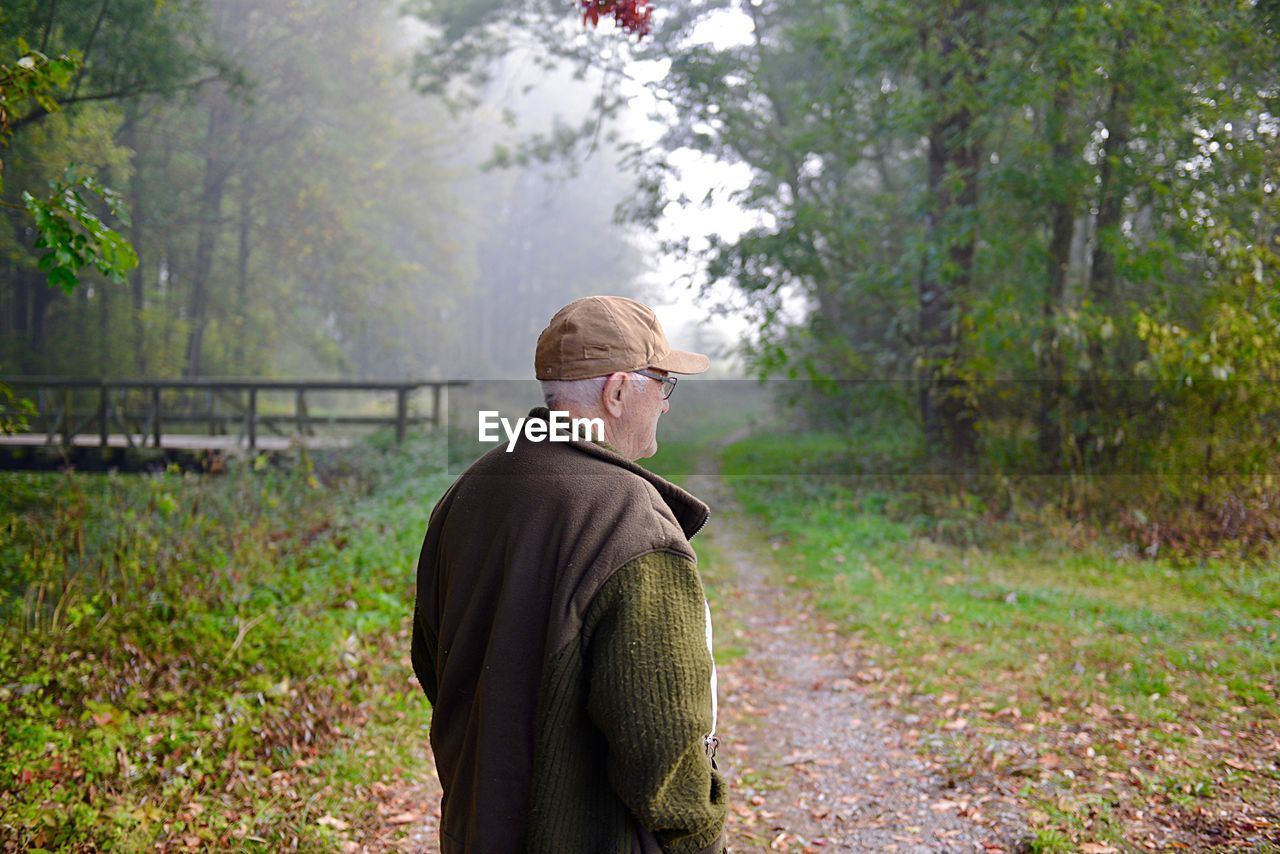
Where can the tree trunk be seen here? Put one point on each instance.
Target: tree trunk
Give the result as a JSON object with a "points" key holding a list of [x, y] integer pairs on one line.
{"points": [[137, 234], [946, 415], [1061, 234], [208, 227], [1111, 192], [244, 248], [1095, 397]]}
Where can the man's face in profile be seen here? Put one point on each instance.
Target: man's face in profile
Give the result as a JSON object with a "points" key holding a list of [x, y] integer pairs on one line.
{"points": [[635, 431], [651, 407]]}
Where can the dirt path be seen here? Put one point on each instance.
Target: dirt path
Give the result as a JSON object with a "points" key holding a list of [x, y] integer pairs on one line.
{"points": [[813, 763]]}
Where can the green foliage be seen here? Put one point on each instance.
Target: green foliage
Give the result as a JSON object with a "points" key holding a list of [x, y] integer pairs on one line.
{"points": [[1213, 382], [74, 236], [33, 77], [974, 195], [288, 219], [173, 647], [130, 48], [14, 411]]}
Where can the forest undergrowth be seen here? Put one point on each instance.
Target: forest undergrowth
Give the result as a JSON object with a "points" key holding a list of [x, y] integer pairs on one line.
{"points": [[192, 662], [1131, 694], [210, 662]]}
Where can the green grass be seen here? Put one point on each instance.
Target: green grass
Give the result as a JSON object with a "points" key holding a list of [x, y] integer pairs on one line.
{"points": [[223, 661], [1195, 628], [1014, 621], [716, 570], [208, 661]]}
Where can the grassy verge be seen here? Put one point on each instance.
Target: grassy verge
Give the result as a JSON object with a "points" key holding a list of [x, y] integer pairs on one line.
{"points": [[209, 662], [1133, 701]]}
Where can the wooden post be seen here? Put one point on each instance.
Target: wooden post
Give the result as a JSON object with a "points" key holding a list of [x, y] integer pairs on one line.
{"points": [[253, 418], [435, 404], [402, 412], [155, 414], [51, 423], [300, 410], [67, 437], [103, 405]]}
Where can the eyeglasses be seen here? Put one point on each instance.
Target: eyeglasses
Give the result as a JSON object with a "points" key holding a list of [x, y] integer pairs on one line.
{"points": [[668, 383]]}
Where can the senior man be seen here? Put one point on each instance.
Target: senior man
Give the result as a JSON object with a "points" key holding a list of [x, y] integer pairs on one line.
{"points": [[560, 631]]}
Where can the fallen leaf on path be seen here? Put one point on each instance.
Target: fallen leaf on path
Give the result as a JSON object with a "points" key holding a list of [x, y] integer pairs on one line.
{"points": [[799, 759], [330, 821]]}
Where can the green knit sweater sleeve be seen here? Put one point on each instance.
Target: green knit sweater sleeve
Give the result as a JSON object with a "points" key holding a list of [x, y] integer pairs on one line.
{"points": [[649, 675]]}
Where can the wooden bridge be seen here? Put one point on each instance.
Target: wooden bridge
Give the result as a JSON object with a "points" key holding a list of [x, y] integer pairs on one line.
{"points": [[211, 415]]}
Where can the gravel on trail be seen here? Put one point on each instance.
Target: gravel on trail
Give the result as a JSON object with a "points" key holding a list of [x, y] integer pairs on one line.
{"points": [[814, 763]]}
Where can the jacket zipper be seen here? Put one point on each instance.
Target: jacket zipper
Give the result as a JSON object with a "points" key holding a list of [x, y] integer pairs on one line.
{"points": [[705, 519]]}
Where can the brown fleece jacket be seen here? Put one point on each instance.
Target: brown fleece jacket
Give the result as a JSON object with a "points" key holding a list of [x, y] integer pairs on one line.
{"points": [[559, 634]]}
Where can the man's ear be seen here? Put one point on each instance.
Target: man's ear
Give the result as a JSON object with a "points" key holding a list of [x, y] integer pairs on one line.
{"points": [[611, 395]]}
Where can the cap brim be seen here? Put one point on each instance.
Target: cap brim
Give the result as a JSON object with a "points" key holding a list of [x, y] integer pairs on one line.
{"points": [[680, 362]]}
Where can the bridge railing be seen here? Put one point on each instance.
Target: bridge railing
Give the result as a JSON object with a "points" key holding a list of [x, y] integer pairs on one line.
{"points": [[71, 407]]}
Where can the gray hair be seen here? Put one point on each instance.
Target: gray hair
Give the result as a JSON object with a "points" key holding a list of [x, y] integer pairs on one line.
{"points": [[580, 394]]}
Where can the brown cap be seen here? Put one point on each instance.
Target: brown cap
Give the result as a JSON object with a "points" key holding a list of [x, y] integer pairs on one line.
{"points": [[595, 336]]}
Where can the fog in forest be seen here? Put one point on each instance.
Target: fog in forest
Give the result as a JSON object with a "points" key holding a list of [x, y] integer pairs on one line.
{"points": [[1035, 225], [303, 210]]}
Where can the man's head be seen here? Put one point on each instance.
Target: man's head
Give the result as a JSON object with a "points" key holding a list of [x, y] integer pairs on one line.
{"points": [[607, 357]]}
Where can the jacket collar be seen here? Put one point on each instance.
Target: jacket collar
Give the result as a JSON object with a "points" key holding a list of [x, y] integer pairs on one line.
{"points": [[690, 511]]}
